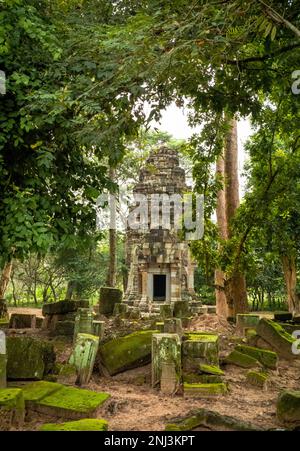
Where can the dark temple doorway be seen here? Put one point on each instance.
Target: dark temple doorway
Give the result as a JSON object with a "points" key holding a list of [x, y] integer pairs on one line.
{"points": [[159, 287]]}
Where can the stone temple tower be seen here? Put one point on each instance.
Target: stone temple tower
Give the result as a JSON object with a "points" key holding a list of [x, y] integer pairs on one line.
{"points": [[159, 262]]}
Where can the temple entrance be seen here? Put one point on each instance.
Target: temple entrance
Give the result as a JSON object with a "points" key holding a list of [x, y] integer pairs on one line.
{"points": [[159, 287]]}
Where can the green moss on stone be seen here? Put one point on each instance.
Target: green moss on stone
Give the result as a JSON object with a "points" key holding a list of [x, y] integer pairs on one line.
{"points": [[288, 407], [28, 358], [75, 399], [80, 425], [201, 336], [36, 391], [127, 352], [11, 398], [243, 360], [205, 389], [259, 379], [194, 378], [268, 358], [211, 369]]}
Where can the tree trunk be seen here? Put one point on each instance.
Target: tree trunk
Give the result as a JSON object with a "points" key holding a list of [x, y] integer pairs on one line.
{"points": [[70, 289], [111, 278], [235, 285], [5, 278], [290, 277], [221, 303]]}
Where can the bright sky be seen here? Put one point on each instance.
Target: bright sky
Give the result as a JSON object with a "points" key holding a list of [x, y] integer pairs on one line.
{"points": [[174, 121]]}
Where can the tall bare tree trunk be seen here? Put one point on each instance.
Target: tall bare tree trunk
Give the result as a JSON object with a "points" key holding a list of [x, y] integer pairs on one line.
{"points": [[111, 279], [5, 278], [290, 277], [235, 285], [221, 303]]}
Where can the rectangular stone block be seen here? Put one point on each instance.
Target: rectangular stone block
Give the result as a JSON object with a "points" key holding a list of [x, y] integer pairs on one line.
{"points": [[198, 348], [12, 408], [83, 356], [166, 348], [22, 321]]}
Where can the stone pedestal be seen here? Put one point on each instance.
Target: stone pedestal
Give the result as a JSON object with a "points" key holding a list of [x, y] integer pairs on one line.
{"points": [[166, 349]]}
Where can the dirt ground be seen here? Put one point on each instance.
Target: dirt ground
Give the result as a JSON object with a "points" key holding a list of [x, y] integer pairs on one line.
{"points": [[135, 406]]}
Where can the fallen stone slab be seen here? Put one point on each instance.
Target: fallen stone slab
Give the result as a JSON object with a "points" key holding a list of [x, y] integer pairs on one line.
{"points": [[198, 348], [87, 424], [22, 321], [206, 419], [288, 407], [12, 408], [63, 402], [124, 353], [277, 337], [204, 390], [267, 358], [242, 360], [29, 358], [210, 369]]}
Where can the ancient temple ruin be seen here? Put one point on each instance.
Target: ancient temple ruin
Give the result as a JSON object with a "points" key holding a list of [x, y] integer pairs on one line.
{"points": [[161, 270]]}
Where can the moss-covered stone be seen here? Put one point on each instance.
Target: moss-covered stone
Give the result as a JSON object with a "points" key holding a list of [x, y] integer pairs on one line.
{"points": [[277, 337], [67, 374], [269, 359], [99, 329], [87, 424], [210, 369], [36, 391], [198, 348], [108, 298], [258, 379], [12, 408], [288, 407], [124, 353], [65, 402], [211, 420], [29, 358], [204, 390], [243, 360], [194, 378]]}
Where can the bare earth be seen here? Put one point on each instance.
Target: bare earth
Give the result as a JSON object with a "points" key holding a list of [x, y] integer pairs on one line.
{"points": [[135, 406]]}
